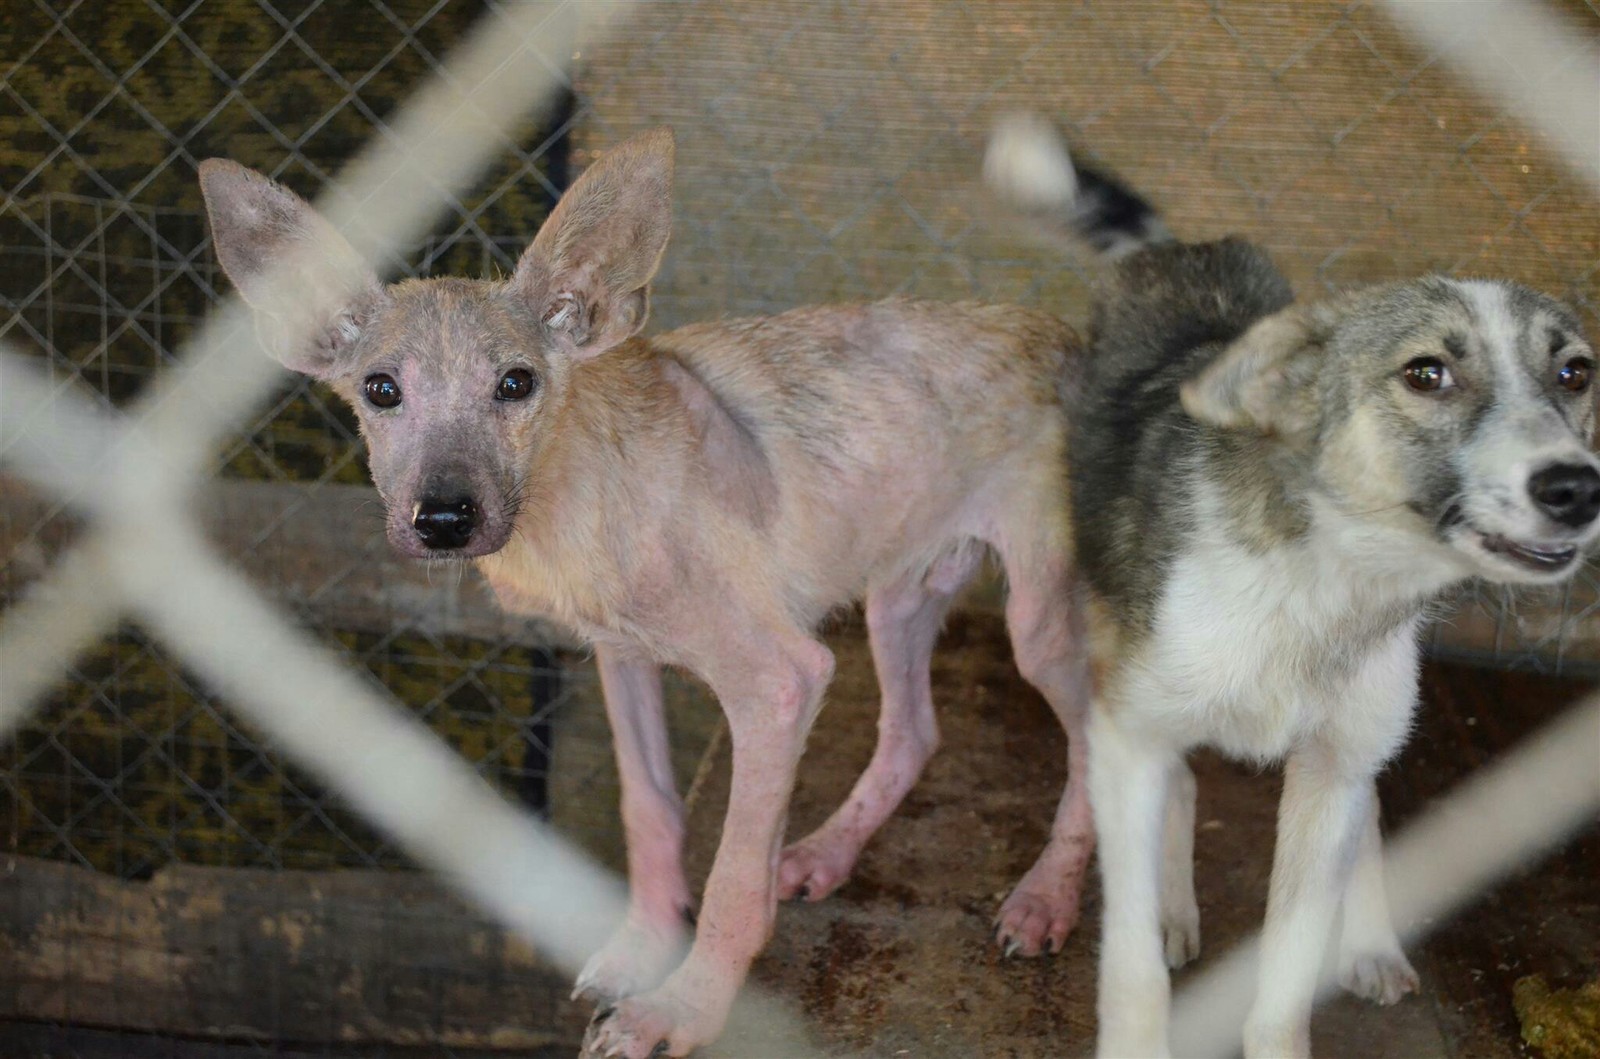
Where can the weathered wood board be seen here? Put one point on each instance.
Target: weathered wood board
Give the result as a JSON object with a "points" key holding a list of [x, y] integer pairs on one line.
{"points": [[355, 956], [320, 549]]}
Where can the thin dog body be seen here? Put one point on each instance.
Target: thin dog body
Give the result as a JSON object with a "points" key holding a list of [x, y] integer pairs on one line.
{"points": [[1265, 496], [703, 499]]}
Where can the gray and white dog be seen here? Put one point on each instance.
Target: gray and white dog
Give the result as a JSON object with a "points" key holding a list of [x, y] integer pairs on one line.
{"points": [[1265, 496]]}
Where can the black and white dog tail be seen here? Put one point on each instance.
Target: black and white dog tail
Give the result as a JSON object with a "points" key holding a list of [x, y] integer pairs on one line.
{"points": [[1028, 166]]}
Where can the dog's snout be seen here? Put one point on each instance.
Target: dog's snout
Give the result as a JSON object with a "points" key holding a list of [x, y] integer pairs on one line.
{"points": [[445, 523], [1567, 492]]}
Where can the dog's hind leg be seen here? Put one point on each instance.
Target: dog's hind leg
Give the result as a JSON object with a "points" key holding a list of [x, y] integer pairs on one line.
{"points": [[654, 936], [1051, 648], [903, 621], [1371, 963], [1180, 913]]}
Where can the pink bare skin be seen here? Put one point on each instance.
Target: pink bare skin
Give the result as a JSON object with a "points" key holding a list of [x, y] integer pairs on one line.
{"points": [[701, 499], [651, 941], [902, 625], [903, 621]]}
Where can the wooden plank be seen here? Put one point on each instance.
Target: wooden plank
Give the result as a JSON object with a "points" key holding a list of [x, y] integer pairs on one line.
{"points": [[48, 1040], [356, 957], [318, 548], [1541, 625], [321, 550]]}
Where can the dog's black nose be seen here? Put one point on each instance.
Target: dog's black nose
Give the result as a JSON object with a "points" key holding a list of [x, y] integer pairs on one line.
{"points": [[445, 523], [1567, 492]]}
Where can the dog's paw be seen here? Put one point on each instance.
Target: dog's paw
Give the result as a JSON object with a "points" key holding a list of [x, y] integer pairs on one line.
{"points": [[666, 1022], [1381, 977], [814, 867], [1277, 1042], [1180, 934], [1133, 1045], [636, 958], [1031, 922]]}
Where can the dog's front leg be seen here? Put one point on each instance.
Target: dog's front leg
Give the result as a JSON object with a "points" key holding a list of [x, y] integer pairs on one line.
{"points": [[1180, 913], [649, 943], [1320, 816], [1128, 777], [1371, 963], [771, 694]]}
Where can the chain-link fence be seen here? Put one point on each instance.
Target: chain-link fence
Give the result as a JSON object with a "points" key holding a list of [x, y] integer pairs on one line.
{"points": [[827, 151], [135, 768]]}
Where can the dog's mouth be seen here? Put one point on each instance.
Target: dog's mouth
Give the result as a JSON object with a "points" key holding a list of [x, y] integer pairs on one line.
{"points": [[485, 540], [1541, 558], [1538, 558]]}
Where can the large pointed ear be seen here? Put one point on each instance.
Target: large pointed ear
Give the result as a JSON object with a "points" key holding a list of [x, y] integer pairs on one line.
{"points": [[1264, 380], [588, 271], [313, 311]]}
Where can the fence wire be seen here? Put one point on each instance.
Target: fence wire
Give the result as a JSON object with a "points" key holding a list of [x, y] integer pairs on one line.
{"points": [[142, 551], [827, 150]]}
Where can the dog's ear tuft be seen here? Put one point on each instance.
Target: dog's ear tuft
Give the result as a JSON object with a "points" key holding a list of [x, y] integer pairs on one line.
{"points": [[1263, 380], [312, 292], [589, 269]]}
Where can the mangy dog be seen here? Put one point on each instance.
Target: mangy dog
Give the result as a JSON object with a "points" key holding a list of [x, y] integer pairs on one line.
{"points": [[703, 499], [1265, 494]]}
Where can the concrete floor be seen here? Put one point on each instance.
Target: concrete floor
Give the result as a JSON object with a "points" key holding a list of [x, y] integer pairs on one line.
{"points": [[899, 962]]}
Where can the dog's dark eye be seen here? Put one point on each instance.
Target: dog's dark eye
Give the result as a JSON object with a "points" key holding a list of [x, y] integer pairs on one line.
{"points": [[382, 391], [515, 385], [1574, 376], [1426, 374]]}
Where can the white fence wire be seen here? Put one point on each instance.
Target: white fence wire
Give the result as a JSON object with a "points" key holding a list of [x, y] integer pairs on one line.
{"points": [[134, 476]]}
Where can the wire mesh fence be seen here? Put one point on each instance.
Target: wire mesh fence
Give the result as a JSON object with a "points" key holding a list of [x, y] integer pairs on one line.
{"points": [[135, 768], [827, 151]]}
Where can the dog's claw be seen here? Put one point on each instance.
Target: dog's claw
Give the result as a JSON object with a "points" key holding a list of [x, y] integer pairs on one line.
{"points": [[1034, 924], [1381, 977], [633, 961]]}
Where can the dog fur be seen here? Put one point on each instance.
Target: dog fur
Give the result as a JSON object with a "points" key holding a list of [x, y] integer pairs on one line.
{"points": [[1265, 495], [703, 499]]}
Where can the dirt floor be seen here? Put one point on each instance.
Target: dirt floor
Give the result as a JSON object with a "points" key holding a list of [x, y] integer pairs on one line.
{"points": [[899, 961]]}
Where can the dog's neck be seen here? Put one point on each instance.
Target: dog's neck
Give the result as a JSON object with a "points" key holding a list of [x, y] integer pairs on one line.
{"points": [[636, 464], [1271, 498], [1382, 558]]}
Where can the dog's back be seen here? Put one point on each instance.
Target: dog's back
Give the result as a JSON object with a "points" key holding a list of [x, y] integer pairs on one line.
{"points": [[1161, 317], [905, 415]]}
